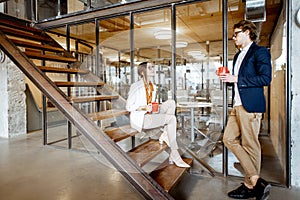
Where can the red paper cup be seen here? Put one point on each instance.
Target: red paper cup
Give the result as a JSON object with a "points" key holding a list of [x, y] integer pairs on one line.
{"points": [[222, 71], [155, 107]]}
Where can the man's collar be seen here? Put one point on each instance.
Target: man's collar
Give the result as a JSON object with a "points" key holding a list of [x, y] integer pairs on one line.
{"points": [[246, 47]]}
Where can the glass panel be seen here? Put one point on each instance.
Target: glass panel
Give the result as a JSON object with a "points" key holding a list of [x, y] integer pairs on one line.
{"points": [[76, 6], [19, 9], [272, 138], [274, 150], [80, 5], [103, 3], [115, 52], [152, 42], [48, 9], [83, 47], [199, 51]]}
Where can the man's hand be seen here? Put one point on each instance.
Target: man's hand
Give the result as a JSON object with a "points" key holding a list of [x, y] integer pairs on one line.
{"points": [[228, 78]]}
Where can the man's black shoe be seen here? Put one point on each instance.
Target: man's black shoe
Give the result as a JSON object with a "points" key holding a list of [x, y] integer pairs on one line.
{"points": [[262, 189], [242, 192]]}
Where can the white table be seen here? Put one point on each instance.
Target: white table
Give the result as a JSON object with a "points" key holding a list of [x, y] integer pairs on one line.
{"points": [[201, 99], [192, 106]]}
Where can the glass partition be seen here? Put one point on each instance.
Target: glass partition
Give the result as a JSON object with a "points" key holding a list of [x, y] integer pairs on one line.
{"points": [[199, 52], [105, 3], [81, 5], [198, 42], [114, 45], [152, 42], [45, 9]]}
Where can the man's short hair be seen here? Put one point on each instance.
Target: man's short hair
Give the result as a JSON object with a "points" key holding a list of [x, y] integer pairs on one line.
{"points": [[247, 25]]}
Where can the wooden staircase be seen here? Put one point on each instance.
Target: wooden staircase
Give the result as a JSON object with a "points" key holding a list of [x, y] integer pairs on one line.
{"points": [[34, 45]]}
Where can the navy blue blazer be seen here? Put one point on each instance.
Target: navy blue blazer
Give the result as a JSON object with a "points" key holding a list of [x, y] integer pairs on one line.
{"points": [[255, 72]]}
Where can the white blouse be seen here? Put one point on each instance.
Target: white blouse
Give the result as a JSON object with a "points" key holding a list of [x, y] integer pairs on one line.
{"points": [[137, 98]]}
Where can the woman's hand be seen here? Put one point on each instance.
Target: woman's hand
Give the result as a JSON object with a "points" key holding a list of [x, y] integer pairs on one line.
{"points": [[142, 108], [149, 108]]}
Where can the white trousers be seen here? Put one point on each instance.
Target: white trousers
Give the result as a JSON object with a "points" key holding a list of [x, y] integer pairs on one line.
{"points": [[166, 117]]}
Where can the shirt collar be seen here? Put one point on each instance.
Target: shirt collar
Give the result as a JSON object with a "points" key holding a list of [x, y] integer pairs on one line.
{"points": [[245, 49]]}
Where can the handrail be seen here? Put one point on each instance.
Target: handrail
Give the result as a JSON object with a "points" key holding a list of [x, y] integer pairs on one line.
{"points": [[138, 178]]}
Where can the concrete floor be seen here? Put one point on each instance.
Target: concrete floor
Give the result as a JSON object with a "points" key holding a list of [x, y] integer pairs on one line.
{"points": [[31, 171]]}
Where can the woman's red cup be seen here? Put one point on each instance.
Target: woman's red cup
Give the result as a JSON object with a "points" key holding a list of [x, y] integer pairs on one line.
{"points": [[222, 71], [155, 107]]}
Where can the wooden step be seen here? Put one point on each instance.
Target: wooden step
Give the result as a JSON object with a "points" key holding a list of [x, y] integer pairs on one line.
{"points": [[24, 35], [83, 99], [107, 114], [78, 84], [37, 46], [63, 70], [11, 24], [167, 175], [120, 133], [56, 58], [145, 152]]}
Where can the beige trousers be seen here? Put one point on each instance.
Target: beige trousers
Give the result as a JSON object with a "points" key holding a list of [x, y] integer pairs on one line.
{"points": [[166, 117], [241, 138]]}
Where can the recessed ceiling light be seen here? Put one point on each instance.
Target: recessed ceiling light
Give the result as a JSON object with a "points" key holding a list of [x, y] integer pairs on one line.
{"points": [[181, 44], [195, 53], [163, 35]]}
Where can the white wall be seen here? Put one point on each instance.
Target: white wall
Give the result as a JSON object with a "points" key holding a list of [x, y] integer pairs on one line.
{"points": [[295, 114], [12, 100], [3, 102]]}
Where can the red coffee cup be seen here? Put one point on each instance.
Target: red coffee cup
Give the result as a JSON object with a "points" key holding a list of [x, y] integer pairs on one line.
{"points": [[155, 107], [222, 71]]}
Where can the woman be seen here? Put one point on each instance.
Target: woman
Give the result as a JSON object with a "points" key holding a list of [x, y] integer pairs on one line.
{"points": [[140, 96]]}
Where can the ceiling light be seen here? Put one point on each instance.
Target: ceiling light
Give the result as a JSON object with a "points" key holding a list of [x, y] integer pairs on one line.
{"points": [[199, 57], [163, 35], [195, 53], [181, 44]]}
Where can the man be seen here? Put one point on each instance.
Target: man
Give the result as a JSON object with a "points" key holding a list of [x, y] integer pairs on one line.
{"points": [[251, 72]]}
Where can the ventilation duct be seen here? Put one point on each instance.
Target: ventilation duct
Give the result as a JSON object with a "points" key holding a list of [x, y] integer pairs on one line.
{"points": [[255, 10]]}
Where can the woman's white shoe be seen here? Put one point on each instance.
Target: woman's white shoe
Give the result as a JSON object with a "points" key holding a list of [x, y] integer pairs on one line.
{"points": [[164, 138], [176, 158]]}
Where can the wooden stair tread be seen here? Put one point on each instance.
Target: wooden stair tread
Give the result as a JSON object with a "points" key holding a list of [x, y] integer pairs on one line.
{"points": [[145, 152], [107, 114], [78, 84], [25, 35], [63, 70], [120, 133], [37, 46], [20, 27], [167, 175], [83, 99], [56, 58]]}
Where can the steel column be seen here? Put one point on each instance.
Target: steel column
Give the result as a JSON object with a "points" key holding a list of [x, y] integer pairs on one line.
{"points": [[173, 42], [288, 91], [225, 96]]}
